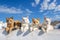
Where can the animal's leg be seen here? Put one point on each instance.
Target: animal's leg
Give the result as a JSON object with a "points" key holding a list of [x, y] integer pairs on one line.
{"points": [[35, 29], [44, 29], [52, 28], [47, 30], [7, 29], [22, 29], [26, 28], [31, 28], [10, 29]]}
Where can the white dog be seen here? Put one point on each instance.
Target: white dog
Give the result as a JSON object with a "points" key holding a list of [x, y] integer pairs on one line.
{"points": [[25, 24], [3, 25], [47, 25]]}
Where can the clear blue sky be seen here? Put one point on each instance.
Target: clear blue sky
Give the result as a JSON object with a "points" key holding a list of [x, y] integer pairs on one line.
{"points": [[31, 8]]}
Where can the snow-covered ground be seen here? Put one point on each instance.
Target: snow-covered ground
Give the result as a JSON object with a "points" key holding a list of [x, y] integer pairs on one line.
{"points": [[35, 35]]}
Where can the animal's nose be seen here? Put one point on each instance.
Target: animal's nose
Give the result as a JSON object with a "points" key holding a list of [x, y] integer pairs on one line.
{"points": [[9, 23], [23, 19]]}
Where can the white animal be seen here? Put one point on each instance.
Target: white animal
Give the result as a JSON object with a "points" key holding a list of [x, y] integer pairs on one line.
{"points": [[3, 25], [25, 24], [47, 25]]}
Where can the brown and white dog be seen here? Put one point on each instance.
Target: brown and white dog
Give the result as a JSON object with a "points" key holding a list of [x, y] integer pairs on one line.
{"points": [[11, 24], [35, 24]]}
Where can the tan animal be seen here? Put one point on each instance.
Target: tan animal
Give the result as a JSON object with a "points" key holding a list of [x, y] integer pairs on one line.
{"points": [[35, 21], [35, 24], [11, 24]]}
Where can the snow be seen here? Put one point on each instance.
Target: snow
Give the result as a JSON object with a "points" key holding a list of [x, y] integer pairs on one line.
{"points": [[3, 25], [34, 35]]}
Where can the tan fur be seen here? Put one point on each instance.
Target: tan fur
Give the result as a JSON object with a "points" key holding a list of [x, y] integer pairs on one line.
{"points": [[11, 24], [35, 21], [35, 24], [17, 24]]}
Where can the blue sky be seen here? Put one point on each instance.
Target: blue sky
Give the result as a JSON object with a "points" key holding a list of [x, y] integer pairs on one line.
{"points": [[31, 8]]}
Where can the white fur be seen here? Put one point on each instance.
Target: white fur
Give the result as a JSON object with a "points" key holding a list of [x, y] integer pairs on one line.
{"points": [[49, 28], [33, 29], [3, 25], [25, 24], [48, 24]]}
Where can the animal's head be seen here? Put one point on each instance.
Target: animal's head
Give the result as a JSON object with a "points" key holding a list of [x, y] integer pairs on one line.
{"points": [[9, 20], [47, 20], [25, 19], [35, 21]]}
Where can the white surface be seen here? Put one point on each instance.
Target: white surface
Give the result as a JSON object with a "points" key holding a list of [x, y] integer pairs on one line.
{"points": [[3, 25], [35, 35]]}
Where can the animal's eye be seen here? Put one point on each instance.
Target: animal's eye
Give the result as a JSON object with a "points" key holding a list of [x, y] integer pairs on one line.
{"points": [[10, 20], [7, 20], [23, 19], [47, 22]]}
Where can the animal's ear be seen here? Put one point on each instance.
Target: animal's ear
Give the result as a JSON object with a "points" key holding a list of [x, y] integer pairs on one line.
{"points": [[11, 17], [27, 16], [6, 18], [44, 17], [38, 19], [32, 18]]}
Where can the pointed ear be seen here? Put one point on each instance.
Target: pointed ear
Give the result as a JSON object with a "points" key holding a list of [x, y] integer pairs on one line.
{"points": [[32, 18], [27, 16], [44, 17], [38, 19], [6, 18], [11, 17]]}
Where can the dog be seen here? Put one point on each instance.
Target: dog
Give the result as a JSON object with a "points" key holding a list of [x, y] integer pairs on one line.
{"points": [[12, 24], [35, 24], [46, 26], [25, 24]]}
